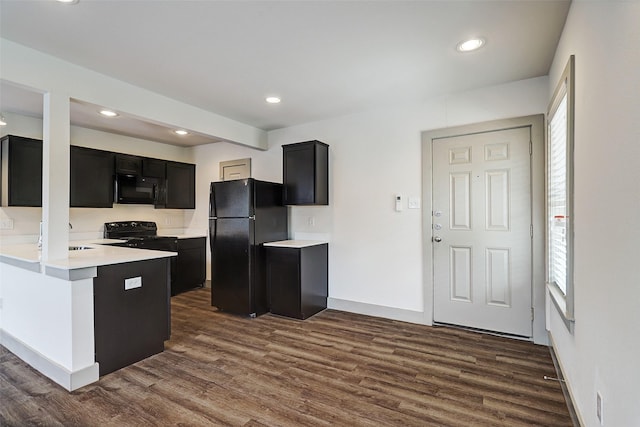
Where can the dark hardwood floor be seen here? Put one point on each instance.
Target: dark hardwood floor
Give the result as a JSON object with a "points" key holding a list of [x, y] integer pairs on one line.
{"points": [[335, 368]]}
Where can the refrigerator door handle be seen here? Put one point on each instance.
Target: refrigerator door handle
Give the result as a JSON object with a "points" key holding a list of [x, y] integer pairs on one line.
{"points": [[213, 233], [212, 202]]}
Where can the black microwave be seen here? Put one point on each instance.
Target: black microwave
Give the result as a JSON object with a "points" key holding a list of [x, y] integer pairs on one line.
{"points": [[136, 189]]}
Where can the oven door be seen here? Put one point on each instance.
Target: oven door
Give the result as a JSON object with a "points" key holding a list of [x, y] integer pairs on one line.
{"points": [[169, 244]]}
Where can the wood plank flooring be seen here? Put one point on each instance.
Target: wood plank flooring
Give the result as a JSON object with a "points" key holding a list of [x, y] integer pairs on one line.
{"points": [[335, 368]]}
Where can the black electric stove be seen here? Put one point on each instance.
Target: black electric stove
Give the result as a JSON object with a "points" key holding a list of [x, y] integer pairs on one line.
{"points": [[139, 234]]}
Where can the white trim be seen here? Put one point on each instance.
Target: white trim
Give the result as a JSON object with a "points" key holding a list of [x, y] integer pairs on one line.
{"points": [[560, 302], [572, 396], [563, 300], [60, 375], [376, 310], [26, 265], [71, 275]]}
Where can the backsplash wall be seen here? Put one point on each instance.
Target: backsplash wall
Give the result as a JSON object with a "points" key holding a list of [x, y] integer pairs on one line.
{"points": [[88, 223]]}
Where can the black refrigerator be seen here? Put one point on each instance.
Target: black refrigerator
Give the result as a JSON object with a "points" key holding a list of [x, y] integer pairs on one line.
{"points": [[243, 214]]}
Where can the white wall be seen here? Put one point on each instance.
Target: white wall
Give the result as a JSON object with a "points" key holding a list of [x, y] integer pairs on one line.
{"points": [[602, 353], [51, 317], [375, 253], [88, 222]]}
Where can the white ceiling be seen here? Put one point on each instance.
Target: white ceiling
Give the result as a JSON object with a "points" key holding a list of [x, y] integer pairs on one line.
{"points": [[324, 58]]}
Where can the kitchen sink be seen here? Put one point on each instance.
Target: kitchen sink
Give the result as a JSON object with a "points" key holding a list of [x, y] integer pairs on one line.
{"points": [[79, 248]]}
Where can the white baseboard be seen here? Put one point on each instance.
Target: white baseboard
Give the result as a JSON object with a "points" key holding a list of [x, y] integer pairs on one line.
{"points": [[60, 375], [576, 417], [377, 310]]}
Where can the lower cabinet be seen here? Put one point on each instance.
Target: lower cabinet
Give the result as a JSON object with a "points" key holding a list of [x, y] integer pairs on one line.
{"points": [[297, 277], [132, 319], [190, 266]]}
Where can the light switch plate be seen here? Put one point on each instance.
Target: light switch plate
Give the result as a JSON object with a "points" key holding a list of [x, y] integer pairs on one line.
{"points": [[414, 202], [132, 283]]}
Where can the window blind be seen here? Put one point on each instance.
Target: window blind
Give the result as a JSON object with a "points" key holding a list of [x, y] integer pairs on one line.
{"points": [[558, 215]]}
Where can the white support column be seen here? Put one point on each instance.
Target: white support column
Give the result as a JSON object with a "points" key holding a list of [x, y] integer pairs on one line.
{"points": [[55, 176]]}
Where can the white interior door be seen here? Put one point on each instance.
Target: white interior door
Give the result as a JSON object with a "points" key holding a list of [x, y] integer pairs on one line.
{"points": [[482, 231]]}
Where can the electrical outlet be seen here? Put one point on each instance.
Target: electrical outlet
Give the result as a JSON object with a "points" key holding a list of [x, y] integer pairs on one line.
{"points": [[311, 221], [6, 224], [600, 408], [132, 283]]}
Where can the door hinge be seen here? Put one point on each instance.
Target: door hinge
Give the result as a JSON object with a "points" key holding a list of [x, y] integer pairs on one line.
{"points": [[531, 230], [530, 148], [532, 314]]}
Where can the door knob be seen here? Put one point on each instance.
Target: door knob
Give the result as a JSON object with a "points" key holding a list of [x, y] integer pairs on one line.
{"points": [[437, 239]]}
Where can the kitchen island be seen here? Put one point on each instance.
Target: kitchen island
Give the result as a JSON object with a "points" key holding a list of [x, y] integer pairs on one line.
{"points": [[54, 314]]}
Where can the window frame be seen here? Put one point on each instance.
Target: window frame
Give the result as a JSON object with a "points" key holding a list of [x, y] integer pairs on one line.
{"points": [[563, 301]]}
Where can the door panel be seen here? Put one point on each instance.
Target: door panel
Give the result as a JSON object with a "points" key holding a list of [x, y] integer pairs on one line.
{"points": [[231, 260], [460, 277], [460, 201], [482, 241], [497, 203], [231, 199], [497, 272]]}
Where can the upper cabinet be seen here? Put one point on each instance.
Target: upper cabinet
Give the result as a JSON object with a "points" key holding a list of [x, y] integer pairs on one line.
{"points": [[180, 186], [127, 164], [91, 178], [93, 174], [306, 173], [21, 171], [153, 168]]}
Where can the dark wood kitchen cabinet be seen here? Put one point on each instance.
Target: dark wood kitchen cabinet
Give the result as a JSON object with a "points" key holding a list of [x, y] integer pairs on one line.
{"points": [[132, 318], [180, 186], [306, 173], [297, 277], [91, 178], [22, 177], [190, 265], [153, 168], [126, 164]]}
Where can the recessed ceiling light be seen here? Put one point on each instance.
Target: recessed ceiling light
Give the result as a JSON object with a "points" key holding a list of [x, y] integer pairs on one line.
{"points": [[181, 132], [68, 1], [470, 45], [108, 113], [272, 99]]}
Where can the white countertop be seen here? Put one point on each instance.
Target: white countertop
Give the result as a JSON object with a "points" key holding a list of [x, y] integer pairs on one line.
{"points": [[98, 255], [294, 243]]}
